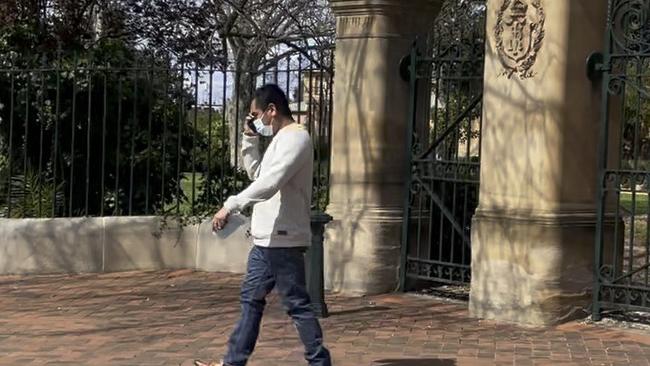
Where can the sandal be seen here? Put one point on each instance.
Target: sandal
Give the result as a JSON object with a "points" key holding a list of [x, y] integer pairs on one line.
{"points": [[208, 363]]}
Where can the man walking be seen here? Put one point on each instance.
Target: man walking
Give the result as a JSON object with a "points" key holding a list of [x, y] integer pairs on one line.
{"points": [[280, 226]]}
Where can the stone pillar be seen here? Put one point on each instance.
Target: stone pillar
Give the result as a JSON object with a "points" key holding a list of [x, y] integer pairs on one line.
{"points": [[533, 231], [362, 245]]}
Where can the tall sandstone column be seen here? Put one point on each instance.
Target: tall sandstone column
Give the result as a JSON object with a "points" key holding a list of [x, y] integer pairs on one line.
{"points": [[362, 244], [533, 232]]}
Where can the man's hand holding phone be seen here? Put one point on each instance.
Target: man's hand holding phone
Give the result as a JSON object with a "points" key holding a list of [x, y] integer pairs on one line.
{"points": [[249, 129]]}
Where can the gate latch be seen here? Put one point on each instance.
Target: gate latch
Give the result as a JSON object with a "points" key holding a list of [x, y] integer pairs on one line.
{"points": [[596, 66], [404, 67]]}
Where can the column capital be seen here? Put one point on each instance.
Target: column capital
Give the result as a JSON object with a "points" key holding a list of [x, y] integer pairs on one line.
{"points": [[373, 7], [383, 18]]}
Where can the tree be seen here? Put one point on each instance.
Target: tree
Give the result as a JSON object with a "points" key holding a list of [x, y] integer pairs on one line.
{"points": [[78, 109], [249, 36], [112, 37], [260, 33], [456, 44]]}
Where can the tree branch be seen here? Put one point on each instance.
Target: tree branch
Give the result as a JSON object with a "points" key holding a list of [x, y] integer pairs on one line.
{"points": [[303, 51], [243, 14], [269, 63]]}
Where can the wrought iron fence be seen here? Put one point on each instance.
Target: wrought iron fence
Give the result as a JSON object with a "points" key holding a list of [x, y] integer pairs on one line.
{"points": [[622, 270], [152, 136]]}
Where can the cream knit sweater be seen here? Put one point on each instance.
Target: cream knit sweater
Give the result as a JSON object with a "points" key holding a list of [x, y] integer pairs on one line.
{"points": [[281, 188]]}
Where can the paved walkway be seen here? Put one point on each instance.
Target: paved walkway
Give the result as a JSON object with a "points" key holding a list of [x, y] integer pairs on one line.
{"points": [[169, 318]]}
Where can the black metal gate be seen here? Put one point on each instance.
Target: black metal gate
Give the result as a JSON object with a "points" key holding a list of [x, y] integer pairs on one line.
{"points": [[446, 83], [622, 270]]}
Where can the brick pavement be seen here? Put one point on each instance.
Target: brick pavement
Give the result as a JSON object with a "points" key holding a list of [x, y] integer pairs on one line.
{"points": [[169, 318]]}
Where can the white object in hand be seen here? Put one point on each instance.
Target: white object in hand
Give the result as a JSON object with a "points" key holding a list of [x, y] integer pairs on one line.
{"points": [[235, 221]]}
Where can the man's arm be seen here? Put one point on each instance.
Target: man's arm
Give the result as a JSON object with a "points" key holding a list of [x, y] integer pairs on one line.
{"points": [[250, 150], [289, 157]]}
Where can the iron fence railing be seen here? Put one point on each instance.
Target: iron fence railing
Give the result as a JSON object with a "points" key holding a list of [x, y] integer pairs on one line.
{"points": [[148, 137]]}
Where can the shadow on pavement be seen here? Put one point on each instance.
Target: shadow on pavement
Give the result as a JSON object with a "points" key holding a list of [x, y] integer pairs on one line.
{"points": [[359, 310], [415, 362]]}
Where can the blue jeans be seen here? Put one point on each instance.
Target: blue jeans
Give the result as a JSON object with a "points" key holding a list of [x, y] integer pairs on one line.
{"points": [[283, 268]]}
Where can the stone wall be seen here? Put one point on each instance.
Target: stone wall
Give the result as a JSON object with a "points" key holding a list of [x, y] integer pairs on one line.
{"points": [[110, 244]]}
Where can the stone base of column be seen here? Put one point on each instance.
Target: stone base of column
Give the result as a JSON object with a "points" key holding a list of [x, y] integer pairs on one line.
{"points": [[362, 249], [532, 267]]}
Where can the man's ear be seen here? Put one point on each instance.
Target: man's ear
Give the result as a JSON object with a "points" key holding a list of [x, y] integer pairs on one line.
{"points": [[273, 109]]}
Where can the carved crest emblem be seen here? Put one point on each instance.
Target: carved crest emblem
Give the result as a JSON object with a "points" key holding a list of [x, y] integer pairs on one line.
{"points": [[519, 35]]}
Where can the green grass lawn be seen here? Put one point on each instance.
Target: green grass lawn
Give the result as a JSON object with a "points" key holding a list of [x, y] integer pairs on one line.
{"points": [[641, 199], [186, 186]]}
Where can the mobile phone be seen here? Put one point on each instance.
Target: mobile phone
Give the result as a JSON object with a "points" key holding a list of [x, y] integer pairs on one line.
{"points": [[251, 125]]}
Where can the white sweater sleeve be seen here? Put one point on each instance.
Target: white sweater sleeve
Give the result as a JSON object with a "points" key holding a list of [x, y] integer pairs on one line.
{"points": [[289, 156], [250, 150]]}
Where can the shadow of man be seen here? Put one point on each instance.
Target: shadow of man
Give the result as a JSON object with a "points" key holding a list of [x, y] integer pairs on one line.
{"points": [[415, 362]]}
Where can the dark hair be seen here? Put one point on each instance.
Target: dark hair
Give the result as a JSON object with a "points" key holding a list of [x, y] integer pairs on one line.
{"points": [[272, 94]]}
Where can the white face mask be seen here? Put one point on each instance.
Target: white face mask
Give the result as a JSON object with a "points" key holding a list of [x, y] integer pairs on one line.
{"points": [[262, 129]]}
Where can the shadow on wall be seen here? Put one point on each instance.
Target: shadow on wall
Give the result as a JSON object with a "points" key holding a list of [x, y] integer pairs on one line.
{"points": [[50, 246], [528, 165], [340, 257], [366, 153], [551, 167], [114, 244]]}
